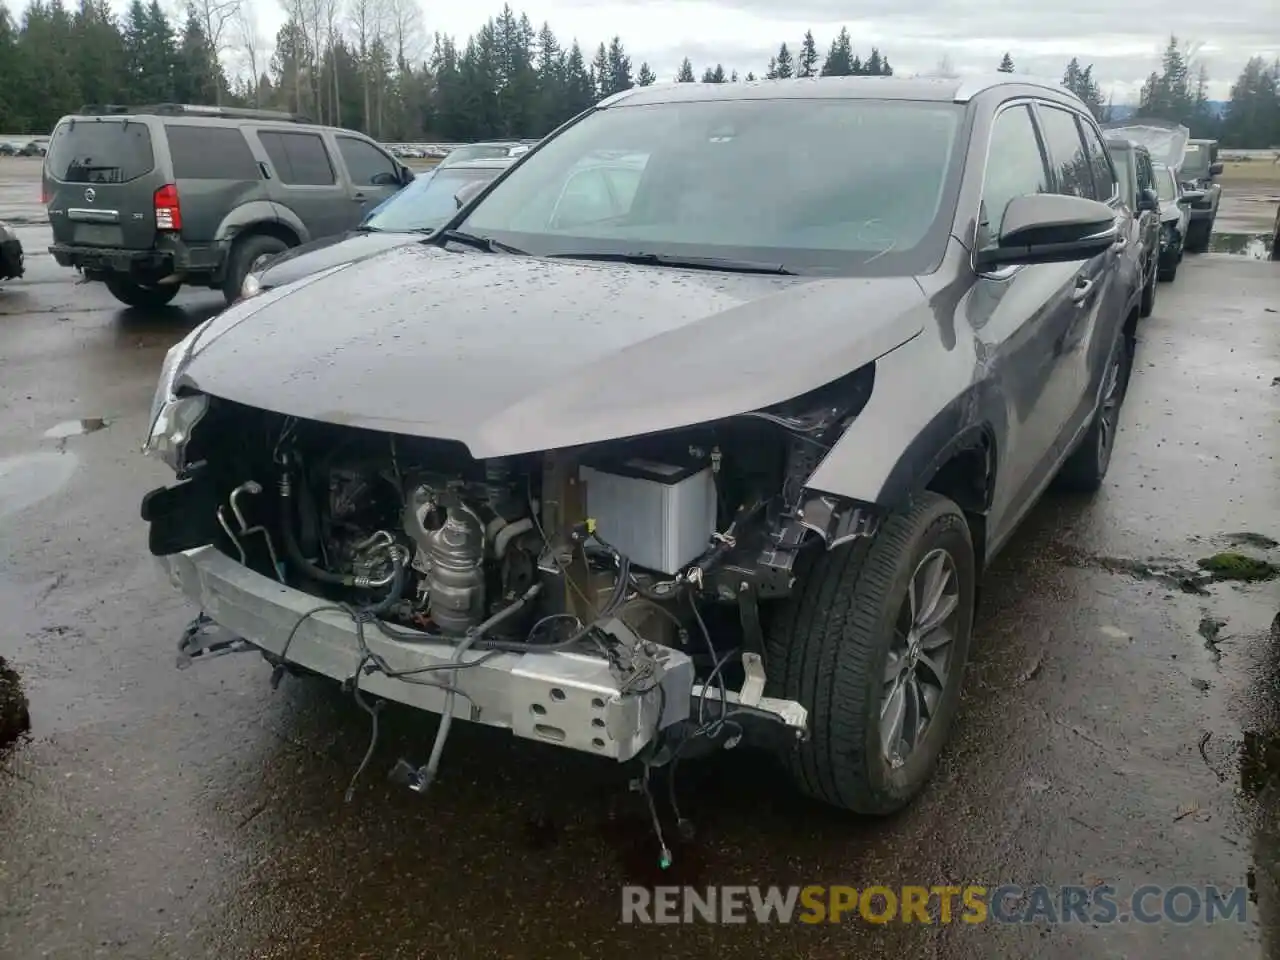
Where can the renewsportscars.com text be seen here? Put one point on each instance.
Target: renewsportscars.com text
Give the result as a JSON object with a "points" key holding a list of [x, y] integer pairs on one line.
{"points": [[1009, 904]]}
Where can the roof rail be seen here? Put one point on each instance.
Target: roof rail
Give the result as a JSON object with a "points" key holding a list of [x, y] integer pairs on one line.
{"points": [[190, 110]]}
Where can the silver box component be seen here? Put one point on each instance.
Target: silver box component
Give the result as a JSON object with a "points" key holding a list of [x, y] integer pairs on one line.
{"points": [[660, 515], [568, 699]]}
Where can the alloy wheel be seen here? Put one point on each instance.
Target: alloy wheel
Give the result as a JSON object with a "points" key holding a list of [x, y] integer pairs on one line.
{"points": [[916, 670]]}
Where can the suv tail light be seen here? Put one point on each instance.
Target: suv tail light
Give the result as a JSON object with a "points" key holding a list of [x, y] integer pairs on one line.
{"points": [[168, 210]]}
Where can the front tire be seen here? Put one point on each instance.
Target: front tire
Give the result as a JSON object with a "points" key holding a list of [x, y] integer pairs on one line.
{"points": [[881, 685], [133, 294], [1198, 235]]}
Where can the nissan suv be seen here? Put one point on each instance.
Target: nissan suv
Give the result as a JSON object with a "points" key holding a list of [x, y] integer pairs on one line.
{"points": [[147, 199]]}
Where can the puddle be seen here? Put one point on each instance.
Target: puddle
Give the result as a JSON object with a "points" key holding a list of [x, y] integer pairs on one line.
{"points": [[15, 720], [27, 479], [76, 428], [1256, 246]]}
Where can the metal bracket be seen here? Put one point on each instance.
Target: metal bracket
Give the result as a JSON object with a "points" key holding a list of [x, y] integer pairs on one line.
{"points": [[753, 686], [203, 639]]}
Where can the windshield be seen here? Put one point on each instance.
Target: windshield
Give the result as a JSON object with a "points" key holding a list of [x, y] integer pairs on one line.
{"points": [[427, 202], [834, 186], [1165, 187]]}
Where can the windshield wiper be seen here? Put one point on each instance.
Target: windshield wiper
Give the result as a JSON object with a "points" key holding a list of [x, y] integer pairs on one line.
{"points": [[487, 244], [696, 263]]}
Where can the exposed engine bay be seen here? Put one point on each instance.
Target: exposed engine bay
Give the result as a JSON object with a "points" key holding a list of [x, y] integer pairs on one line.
{"points": [[641, 564]]}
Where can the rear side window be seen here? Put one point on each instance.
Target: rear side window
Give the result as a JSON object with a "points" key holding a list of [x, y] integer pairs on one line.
{"points": [[100, 151], [367, 165], [1104, 178], [210, 153], [1067, 153], [300, 159]]}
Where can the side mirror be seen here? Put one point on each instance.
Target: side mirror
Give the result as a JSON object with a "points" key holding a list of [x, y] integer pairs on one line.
{"points": [[1190, 196], [1050, 228], [467, 192], [1148, 200], [1215, 169], [406, 175]]}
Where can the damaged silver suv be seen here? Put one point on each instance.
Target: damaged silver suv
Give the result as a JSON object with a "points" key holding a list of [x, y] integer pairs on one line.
{"points": [[695, 428]]}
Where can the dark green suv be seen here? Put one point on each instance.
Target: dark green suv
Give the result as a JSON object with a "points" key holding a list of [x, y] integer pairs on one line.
{"points": [[146, 199]]}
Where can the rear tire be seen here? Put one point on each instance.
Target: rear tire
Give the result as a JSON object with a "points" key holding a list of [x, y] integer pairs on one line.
{"points": [[134, 294], [248, 254], [1086, 468], [833, 645], [1170, 271], [1148, 304]]}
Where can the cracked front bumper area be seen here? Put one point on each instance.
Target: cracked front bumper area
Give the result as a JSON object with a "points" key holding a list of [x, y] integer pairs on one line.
{"points": [[565, 699]]}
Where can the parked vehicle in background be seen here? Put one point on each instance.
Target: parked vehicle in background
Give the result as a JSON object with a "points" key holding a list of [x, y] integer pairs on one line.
{"points": [[714, 453], [411, 214], [8, 150], [489, 150], [1174, 218], [11, 256], [36, 148], [1200, 171], [149, 198], [1142, 204]]}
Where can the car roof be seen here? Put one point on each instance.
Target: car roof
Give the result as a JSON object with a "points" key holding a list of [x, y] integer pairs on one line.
{"points": [[934, 89]]}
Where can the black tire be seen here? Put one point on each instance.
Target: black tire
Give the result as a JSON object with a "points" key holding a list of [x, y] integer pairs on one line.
{"points": [[1086, 468], [137, 295], [828, 647], [1169, 271], [246, 253], [1148, 304], [1198, 234]]}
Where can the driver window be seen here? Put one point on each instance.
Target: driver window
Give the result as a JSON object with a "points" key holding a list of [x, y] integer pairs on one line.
{"points": [[1015, 168]]}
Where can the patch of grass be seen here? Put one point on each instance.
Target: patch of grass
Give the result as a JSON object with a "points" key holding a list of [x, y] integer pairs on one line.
{"points": [[1256, 170], [1237, 566]]}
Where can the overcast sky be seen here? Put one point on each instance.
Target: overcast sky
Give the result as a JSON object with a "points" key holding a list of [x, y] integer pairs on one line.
{"points": [[1122, 40]]}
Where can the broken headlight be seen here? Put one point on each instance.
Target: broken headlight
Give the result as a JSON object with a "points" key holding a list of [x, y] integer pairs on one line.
{"points": [[172, 417]]}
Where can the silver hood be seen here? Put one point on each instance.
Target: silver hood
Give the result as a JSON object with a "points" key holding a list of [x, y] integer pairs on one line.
{"points": [[515, 354]]}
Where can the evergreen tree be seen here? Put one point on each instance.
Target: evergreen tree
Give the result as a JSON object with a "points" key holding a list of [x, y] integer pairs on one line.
{"points": [[646, 77], [1006, 64], [1253, 112], [839, 61], [713, 74], [685, 73], [808, 63], [784, 64], [1079, 80]]}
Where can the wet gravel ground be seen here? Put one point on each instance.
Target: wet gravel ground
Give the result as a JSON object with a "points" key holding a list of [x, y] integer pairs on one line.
{"points": [[1121, 722]]}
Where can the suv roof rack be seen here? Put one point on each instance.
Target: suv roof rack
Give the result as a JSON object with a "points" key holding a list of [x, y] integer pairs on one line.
{"points": [[190, 110]]}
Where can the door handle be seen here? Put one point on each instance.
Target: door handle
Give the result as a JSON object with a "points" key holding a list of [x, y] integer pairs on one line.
{"points": [[359, 198], [1081, 293], [266, 171]]}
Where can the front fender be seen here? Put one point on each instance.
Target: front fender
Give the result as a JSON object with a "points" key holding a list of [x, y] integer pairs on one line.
{"points": [[915, 420]]}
